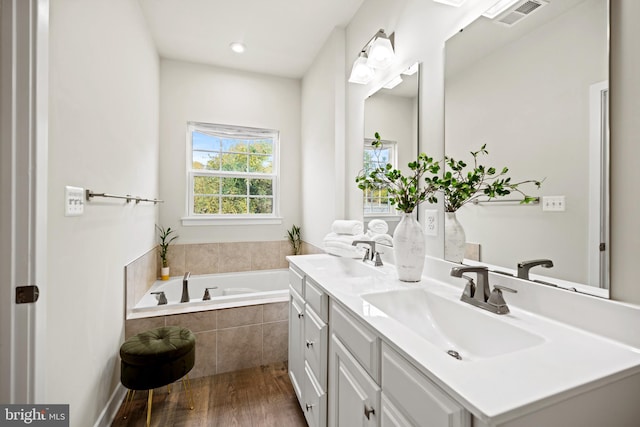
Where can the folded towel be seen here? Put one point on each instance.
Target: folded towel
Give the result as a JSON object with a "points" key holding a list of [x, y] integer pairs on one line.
{"points": [[344, 238], [343, 226], [383, 239], [378, 226], [343, 249]]}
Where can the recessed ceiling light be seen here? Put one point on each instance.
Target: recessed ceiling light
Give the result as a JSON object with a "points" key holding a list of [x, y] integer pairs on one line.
{"points": [[237, 47]]}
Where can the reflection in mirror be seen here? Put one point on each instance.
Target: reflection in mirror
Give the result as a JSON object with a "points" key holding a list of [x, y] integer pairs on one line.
{"points": [[535, 93], [392, 112]]}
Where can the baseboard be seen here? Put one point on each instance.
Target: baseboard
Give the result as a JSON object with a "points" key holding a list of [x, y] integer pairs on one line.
{"points": [[109, 412]]}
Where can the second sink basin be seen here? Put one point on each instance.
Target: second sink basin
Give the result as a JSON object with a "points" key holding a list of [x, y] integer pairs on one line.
{"points": [[451, 325]]}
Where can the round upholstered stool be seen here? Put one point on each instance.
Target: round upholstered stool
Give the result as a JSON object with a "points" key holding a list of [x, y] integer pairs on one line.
{"points": [[156, 358]]}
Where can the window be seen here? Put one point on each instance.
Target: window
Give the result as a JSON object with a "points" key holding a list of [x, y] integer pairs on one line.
{"points": [[232, 172], [376, 202]]}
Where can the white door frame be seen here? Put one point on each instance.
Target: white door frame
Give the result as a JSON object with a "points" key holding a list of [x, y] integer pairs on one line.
{"points": [[24, 89], [598, 256]]}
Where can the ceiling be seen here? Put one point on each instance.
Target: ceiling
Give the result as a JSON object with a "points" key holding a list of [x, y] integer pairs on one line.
{"points": [[282, 36]]}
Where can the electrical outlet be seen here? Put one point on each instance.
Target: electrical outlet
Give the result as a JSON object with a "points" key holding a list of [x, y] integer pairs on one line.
{"points": [[553, 203], [73, 201], [431, 222]]}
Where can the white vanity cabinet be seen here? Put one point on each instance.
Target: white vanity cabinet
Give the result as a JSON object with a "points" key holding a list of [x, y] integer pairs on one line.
{"points": [[354, 394], [308, 343], [410, 398]]}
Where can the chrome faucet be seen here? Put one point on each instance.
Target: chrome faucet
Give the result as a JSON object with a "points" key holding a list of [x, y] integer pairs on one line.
{"points": [[480, 295], [370, 254], [161, 297], [525, 266], [185, 287]]}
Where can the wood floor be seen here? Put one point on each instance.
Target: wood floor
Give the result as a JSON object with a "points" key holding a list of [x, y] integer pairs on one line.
{"points": [[260, 396]]}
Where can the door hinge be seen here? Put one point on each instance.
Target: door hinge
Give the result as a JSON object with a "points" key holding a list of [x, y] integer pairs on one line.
{"points": [[603, 247], [27, 294]]}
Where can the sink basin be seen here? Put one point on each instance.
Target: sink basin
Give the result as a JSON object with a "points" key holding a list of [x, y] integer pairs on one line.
{"points": [[451, 325]]}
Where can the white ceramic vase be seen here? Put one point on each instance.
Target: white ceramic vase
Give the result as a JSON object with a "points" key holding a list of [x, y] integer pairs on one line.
{"points": [[454, 238], [409, 248]]}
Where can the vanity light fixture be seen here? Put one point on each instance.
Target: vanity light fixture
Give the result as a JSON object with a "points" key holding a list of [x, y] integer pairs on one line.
{"points": [[377, 53], [498, 8], [238, 47], [361, 73], [456, 3]]}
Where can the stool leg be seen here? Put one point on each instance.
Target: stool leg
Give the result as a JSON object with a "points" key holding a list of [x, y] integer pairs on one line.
{"points": [[149, 402], [127, 401], [187, 389], [169, 388]]}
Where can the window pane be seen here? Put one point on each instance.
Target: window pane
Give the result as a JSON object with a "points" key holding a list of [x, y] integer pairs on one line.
{"points": [[234, 186], [261, 187], [261, 146], [234, 145], [260, 163], [203, 142], [234, 205], [206, 185], [262, 205], [234, 162], [206, 205], [206, 160]]}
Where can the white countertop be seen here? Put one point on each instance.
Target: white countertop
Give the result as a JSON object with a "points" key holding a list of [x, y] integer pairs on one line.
{"points": [[569, 360]]}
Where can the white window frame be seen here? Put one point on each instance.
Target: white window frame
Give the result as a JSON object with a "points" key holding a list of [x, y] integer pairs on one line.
{"points": [[393, 159], [190, 217]]}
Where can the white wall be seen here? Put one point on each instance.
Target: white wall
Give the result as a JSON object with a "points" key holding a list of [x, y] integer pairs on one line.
{"points": [[201, 93], [103, 135], [529, 102], [323, 143]]}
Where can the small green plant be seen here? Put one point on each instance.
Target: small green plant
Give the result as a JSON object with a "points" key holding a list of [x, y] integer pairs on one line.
{"points": [[295, 239], [165, 240], [459, 186], [406, 192]]}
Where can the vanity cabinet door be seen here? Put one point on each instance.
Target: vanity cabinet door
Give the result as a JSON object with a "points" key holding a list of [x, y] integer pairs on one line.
{"points": [[314, 404], [354, 396], [296, 342], [390, 416], [415, 397], [315, 345]]}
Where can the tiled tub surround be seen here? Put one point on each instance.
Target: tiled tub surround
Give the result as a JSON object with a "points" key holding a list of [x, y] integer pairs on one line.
{"points": [[229, 339], [207, 258]]}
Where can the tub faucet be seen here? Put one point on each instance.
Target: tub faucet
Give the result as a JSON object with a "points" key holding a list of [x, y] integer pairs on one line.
{"points": [[207, 295], [525, 266], [480, 295], [185, 287], [161, 297]]}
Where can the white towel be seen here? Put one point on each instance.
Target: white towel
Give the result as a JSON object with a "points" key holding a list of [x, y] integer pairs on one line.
{"points": [[350, 227], [378, 226], [341, 249]]}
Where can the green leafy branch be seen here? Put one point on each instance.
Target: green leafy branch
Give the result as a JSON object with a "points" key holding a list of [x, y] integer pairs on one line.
{"points": [[406, 191], [459, 187]]}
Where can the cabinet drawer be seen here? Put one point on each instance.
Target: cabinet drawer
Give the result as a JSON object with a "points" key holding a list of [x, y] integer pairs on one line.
{"points": [[296, 281], [315, 401], [416, 397], [317, 299], [359, 340], [315, 345]]}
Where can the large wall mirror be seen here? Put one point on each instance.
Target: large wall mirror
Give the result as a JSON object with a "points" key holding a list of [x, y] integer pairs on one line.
{"points": [[536, 93], [392, 112]]}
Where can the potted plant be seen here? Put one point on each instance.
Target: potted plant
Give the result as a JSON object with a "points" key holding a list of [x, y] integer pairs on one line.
{"points": [[163, 247], [405, 192], [295, 239], [461, 185]]}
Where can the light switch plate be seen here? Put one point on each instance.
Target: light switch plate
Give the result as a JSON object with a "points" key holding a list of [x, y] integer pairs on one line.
{"points": [[553, 203], [73, 201], [431, 222]]}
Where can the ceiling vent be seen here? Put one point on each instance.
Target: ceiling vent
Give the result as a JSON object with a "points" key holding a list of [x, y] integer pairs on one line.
{"points": [[519, 11]]}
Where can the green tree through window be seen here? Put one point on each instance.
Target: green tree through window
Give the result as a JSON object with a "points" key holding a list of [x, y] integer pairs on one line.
{"points": [[233, 170]]}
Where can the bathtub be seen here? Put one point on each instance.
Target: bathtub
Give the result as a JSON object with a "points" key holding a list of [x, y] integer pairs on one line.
{"points": [[233, 290]]}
